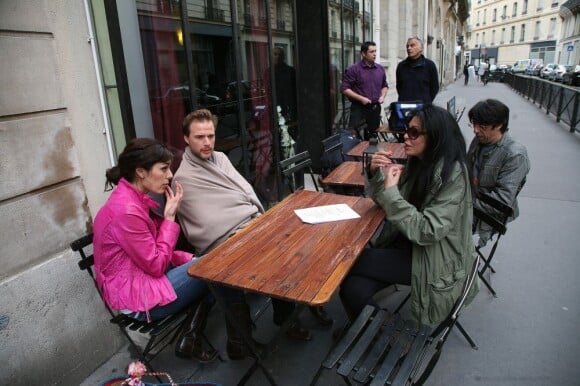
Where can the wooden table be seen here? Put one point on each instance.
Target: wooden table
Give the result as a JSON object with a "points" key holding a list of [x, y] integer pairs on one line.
{"points": [[278, 255], [347, 176], [398, 150]]}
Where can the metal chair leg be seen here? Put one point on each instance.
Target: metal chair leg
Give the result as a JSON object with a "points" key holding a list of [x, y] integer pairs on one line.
{"points": [[466, 335]]}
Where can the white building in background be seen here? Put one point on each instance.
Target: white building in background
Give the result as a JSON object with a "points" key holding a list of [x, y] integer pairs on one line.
{"points": [[570, 32], [504, 31], [441, 24]]}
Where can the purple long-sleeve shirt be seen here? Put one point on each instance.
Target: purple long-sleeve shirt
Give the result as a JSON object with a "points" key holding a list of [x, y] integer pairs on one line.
{"points": [[364, 80]]}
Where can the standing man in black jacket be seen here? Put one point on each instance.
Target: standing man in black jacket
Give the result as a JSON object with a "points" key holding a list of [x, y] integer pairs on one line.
{"points": [[417, 78]]}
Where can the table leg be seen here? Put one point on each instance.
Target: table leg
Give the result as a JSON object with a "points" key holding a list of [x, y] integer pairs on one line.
{"points": [[247, 340]]}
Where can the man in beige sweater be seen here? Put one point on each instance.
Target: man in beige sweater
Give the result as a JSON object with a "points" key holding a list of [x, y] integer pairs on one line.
{"points": [[218, 202]]}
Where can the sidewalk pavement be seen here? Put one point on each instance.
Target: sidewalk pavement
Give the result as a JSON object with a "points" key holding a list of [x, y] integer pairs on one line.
{"points": [[529, 335]]}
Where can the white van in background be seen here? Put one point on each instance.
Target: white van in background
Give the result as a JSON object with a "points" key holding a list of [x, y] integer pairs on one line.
{"points": [[521, 65]]}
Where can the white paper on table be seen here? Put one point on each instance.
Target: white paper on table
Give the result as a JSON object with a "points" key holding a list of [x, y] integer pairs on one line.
{"points": [[326, 213]]}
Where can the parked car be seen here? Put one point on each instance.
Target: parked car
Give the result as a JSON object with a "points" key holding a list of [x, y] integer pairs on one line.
{"points": [[547, 70], [558, 72], [534, 69], [572, 78]]}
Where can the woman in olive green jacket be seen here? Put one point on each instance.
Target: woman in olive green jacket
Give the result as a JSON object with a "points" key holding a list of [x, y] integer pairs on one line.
{"points": [[426, 241]]}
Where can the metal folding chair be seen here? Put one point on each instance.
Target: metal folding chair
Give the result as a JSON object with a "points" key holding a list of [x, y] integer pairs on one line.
{"points": [[498, 224], [293, 168], [379, 349]]}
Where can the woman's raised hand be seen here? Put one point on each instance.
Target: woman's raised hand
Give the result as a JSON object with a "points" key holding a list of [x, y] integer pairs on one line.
{"points": [[173, 199], [380, 159], [392, 175]]}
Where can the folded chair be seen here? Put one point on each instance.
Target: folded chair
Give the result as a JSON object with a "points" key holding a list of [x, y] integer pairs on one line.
{"points": [[160, 333], [379, 348], [293, 169]]}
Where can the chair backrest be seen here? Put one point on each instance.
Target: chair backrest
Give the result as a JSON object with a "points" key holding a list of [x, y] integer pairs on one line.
{"points": [[341, 119], [441, 332], [332, 144], [504, 212], [87, 262], [446, 325], [292, 168], [498, 220], [332, 154]]}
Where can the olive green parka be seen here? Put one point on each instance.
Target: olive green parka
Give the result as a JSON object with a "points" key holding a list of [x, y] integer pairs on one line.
{"points": [[440, 231]]}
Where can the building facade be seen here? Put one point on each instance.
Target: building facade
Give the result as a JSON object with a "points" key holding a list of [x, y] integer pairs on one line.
{"points": [[441, 25], [504, 31], [570, 37], [80, 78]]}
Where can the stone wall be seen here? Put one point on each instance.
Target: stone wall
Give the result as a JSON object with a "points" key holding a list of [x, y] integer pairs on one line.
{"points": [[53, 153]]}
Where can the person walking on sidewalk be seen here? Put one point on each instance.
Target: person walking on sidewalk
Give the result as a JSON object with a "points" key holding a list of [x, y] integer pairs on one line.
{"points": [[466, 72], [365, 85], [417, 78]]}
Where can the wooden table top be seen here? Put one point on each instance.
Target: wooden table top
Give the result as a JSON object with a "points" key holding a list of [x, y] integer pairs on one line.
{"points": [[348, 173], [278, 255], [398, 149]]}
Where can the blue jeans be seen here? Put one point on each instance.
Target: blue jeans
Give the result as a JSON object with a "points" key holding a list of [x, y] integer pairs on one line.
{"points": [[190, 291]]}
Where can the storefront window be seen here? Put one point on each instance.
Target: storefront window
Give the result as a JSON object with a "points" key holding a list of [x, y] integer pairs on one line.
{"points": [[164, 57], [349, 26], [243, 71]]}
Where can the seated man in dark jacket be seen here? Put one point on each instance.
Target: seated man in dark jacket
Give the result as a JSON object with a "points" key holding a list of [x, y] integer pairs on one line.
{"points": [[497, 164]]}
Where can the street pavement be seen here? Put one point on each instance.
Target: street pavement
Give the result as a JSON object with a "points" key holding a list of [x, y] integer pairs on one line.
{"points": [[528, 335]]}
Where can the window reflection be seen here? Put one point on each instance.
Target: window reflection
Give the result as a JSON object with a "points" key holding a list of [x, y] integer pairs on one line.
{"points": [[248, 82]]}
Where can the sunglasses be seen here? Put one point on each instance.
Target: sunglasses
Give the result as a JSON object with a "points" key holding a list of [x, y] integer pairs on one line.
{"points": [[413, 132]]}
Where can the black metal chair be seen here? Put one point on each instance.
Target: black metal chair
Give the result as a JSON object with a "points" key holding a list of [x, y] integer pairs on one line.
{"points": [[332, 154], [498, 223], [293, 169], [379, 348], [159, 333]]}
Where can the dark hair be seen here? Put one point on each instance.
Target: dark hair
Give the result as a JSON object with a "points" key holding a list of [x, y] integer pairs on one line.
{"points": [[200, 115], [490, 112], [365, 46], [444, 141], [139, 153]]}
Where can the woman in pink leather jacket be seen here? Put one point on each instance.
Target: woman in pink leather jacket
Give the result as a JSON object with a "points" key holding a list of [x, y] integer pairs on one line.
{"points": [[138, 270]]}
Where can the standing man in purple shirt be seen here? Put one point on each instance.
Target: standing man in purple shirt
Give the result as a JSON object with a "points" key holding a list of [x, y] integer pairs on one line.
{"points": [[365, 85]]}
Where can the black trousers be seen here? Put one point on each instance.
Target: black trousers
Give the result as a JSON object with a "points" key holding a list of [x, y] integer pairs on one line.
{"points": [[369, 114], [282, 310], [375, 269]]}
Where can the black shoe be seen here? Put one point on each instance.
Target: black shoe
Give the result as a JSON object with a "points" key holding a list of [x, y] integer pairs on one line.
{"points": [[297, 332], [321, 315], [188, 347]]}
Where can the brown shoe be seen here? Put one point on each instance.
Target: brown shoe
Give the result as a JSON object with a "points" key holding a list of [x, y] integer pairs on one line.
{"points": [[297, 332]]}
